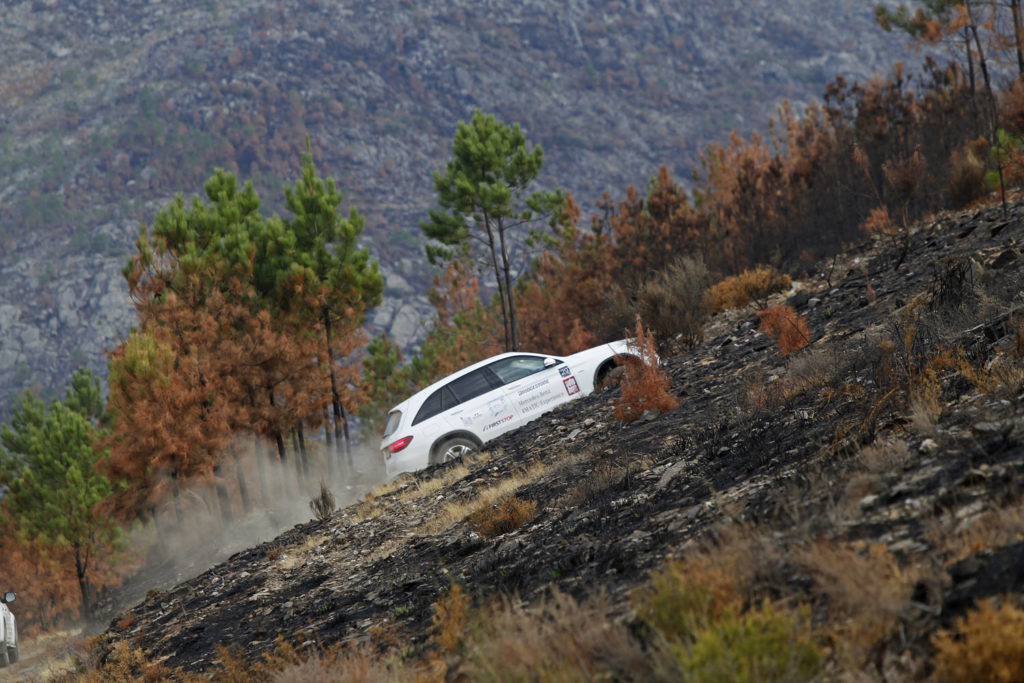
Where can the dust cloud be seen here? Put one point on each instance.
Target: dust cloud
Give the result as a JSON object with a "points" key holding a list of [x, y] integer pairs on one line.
{"points": [[252, 499]]}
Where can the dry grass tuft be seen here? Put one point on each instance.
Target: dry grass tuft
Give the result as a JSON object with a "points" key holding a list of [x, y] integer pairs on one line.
{"points": [[453, 512], [559, 640], [754, 284], [956, 540], [987, 645], [450, 614], [358, 664], [866, 591], [884, 456], [507, 515], [323, 505]]}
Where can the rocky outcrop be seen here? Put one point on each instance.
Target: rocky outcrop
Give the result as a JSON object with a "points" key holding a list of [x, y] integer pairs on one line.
{"points": [[109, 109]]}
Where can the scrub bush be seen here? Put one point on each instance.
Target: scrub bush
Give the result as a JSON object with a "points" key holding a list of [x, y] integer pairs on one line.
{"points": [[988, 646], [507, 515], [645, 385], [672, 303], [788, 326], [753, 284]]}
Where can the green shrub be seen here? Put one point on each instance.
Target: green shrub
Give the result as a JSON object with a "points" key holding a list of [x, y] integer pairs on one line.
{"points": [[759, 645]]}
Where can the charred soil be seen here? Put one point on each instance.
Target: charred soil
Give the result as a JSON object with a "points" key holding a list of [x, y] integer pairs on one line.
{"points": [[896, 432]]}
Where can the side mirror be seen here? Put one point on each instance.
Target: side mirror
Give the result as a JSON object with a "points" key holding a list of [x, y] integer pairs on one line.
{"points": [[550, 362], [9, 596]]}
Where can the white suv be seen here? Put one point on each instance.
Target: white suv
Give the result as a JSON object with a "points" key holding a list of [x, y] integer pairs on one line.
{"points": [[465, 410], [8, 632]]}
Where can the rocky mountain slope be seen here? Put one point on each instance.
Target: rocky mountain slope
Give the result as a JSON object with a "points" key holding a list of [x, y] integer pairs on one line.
{"points": [[869, 475], [107, 109]]}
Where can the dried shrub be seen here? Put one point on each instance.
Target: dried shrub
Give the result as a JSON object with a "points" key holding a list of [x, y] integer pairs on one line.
{"points": [[672, 303], [558, 640], [965, 181], [879, 222], [507, 515], [121, 662], [988, 645], [762, 396], [361, 663], [450, 614], [787, 325], [591, 486], [884, 456], [323, 505], [753, 284], [645, 385], [865, 590], [957, 539]]}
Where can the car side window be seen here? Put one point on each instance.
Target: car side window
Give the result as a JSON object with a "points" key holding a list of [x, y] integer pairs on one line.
{"points": [[511, 369], [438, 402], [472, 385]]}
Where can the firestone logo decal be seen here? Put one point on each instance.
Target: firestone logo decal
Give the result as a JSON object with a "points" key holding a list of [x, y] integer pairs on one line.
{"points": [[496, 423]]}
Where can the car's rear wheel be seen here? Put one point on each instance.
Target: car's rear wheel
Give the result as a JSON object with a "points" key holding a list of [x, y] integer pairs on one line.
{"points": [[453, 449], [12, 654], [4, 657]]}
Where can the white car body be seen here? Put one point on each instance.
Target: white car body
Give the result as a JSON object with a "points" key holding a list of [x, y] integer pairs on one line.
{"points": [[8, 632], [479, 403]]}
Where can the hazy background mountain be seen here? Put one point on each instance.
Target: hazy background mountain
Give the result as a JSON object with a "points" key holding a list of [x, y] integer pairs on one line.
{"points": [[107, 109]]}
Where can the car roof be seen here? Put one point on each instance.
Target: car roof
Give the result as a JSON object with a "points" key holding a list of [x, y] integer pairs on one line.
{"points": [[416, 399]]}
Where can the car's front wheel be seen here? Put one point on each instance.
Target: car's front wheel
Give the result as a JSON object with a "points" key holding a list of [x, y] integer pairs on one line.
{"points": [[452, 449], [12, 654], [5, 659]]}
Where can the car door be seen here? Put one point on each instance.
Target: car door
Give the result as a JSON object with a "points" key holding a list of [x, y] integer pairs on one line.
{"points": [[535, 384], [483, 407]]}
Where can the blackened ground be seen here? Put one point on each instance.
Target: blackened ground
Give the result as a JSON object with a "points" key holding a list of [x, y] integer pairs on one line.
{"points": [[757, 437]]}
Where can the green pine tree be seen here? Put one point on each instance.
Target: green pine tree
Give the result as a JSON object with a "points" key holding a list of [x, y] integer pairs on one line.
{"points": [[483, 200], [48, 465]]}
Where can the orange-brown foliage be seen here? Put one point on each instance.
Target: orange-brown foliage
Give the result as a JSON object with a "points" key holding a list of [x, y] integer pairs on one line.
{"points": [[450, 614], [988, 645], [753, 284], [789, 326], [506, 515], [644, 385]]}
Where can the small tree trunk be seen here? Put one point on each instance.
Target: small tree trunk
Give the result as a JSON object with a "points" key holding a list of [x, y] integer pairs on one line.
{"points": [[81, 569], [243, 489], [503, 294], [222, 496], [990, 96], [506, 274], [261, 469], [340, 433], [329, 444], [303, 454], [281, 454], [176, 499], [1018, 35]]}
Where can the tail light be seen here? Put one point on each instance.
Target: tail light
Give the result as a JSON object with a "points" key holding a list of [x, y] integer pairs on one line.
{"points": [[396, 446]]}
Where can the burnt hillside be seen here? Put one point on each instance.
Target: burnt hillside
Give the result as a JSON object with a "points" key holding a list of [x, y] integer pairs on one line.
{"points": [[873, 476]]}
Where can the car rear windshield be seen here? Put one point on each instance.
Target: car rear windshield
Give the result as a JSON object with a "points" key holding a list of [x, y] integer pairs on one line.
{"points": [[394, 417]]}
